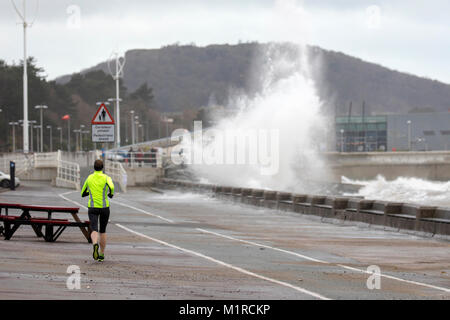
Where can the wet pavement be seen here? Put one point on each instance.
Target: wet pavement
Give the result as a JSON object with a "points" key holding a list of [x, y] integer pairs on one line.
{"points": [[191, 246]]}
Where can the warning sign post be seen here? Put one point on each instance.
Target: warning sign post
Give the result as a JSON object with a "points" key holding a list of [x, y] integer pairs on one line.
{"points": [[102, 125]]}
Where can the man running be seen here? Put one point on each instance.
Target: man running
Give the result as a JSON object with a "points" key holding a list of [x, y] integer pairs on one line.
{"points": [[97, 186]]}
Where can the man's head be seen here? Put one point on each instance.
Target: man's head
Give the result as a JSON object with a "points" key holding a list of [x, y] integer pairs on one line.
{"points": [[98, 165]]}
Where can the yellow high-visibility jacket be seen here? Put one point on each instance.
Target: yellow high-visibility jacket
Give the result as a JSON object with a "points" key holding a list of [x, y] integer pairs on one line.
{"points": [[96, 186]]}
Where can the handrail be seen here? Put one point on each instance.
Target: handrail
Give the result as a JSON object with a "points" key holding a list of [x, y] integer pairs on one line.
{"points": [[116, 171], [68, 172]]}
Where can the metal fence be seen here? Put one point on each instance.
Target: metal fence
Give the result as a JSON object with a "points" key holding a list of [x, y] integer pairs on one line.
{"points": [[137, 159], [68, 172], [117, 173]]}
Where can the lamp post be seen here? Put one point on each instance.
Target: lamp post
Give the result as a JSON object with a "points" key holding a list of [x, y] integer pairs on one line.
{"points": [[41, 108], [51, 138], [60, 137], [409, 134], [116, 75], [37, 137], [31, 122], [85, 131], [117, 118], [81, 137], [76, 131], [342, 140], [23, 17], [132, 126], [136, 130], [142, 132], [14, 124]]}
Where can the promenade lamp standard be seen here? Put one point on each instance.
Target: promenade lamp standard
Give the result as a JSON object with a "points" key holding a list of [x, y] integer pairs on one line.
{"points": [[41, 108], [14, 124], [51, 138], [60, 137]]}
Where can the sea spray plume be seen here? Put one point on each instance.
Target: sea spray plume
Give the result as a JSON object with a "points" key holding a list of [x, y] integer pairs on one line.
{"points": [[285, 106], [288, 108]]}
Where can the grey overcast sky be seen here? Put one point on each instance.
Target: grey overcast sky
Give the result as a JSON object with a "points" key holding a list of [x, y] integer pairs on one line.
{"points": [[69, 35]]}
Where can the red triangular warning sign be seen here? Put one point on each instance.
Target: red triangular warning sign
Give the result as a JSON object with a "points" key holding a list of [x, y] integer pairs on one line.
{"points": [[102, 116]]}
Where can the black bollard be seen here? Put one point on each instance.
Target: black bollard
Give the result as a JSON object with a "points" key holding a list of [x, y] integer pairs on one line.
{"points": [[12, 174]]}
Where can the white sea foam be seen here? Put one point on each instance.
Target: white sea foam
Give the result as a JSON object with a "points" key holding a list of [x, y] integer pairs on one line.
{"points": [[404, 189]]}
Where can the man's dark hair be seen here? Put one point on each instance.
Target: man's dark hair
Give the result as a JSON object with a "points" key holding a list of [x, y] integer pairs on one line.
{"points": [[98, 165]]}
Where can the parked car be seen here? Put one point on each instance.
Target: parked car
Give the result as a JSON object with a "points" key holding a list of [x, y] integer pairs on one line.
{"points": [[5, 180], [113, 156]]}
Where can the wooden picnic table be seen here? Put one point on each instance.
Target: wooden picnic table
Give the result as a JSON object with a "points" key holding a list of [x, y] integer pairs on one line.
{"points": [[12, 222]]}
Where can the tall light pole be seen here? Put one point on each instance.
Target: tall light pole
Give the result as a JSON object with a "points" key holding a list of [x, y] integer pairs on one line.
{"points": [[132, 126], [14, 124], [37, 138], [41, 108], [142, 132], [409, 134], [31, 122], [342, 140], [51, 138], [119, 64], [67, 117], [60, 137], [23, 17], [76, 131], [81, 136], [85, 132]]}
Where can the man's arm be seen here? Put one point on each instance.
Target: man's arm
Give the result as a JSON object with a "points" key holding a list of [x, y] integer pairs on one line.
{"points": [[111, 187], [84, 190]]}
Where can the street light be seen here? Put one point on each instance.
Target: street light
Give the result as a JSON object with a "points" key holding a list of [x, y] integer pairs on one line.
{"points": [[30, 123], [76, 139], [37, 137], [51, 138], [41, 108], [119, 64], [342, 140], [81, 137], [142, 132], [409, 134], [14, 124], [84, 131], [23, 17], [60, 137], [117, 119], [132, 126]]}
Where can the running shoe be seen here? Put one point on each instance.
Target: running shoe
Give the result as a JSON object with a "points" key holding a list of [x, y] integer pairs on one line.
{"points": [[95, 253], [101, 257]]}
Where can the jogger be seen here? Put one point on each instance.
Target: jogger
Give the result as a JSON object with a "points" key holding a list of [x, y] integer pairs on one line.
{"points": [[98, 186]]}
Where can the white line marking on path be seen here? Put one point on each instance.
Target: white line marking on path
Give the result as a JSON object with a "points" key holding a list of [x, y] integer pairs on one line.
{"points": [[143, 211], [395, 278], [67, 199], [313, 294], [263, 245], [320, 261]]}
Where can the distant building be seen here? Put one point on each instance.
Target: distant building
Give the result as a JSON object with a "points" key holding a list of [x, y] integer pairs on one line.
{"points": [[396, 132], [359, 134]]}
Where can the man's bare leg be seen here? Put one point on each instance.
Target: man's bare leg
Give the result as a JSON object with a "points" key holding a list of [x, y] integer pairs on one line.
{"points": [[94, 237], [102, 242]]}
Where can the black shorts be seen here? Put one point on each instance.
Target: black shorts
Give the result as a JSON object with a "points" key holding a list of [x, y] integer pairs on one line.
{"points": [[95, 214]]}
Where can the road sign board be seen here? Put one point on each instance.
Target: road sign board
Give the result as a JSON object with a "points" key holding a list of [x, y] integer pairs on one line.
{"points": [[102, 116], [103, 133]]}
